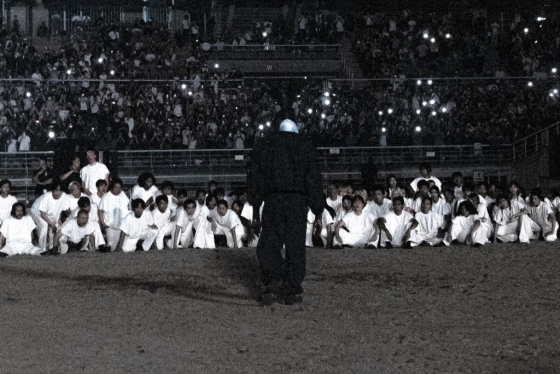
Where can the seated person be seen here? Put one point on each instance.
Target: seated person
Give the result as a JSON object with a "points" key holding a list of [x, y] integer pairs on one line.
{"points": [[425, 227], [101, 186], [167, 188], [251, 236], [145, 189], [20, 233], [543, 216], [186, 224], [394, 224], [511, 221], [356, 229], [334, 200], [324, 231], [78, 234], [423, 192], [7, 201], [226, 222], [482, 211], [204, 235], [75, 189], [379, 206], [346, 207], [162, 219], [426, 174], [466, 228], [113, 207], [137, 225]]}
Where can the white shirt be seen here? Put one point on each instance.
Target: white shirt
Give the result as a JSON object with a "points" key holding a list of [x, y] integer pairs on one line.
{"points": [[90, 174], [75, 233], [53, 207], [93, 216], [428, 223], [540, 214], [441, 207], [335, 204], [379, 210], [229, 220], [135, 227], [161, 219], [326, 218], [141, 193], [114, 208], [6, 204], [361, 224], [18, 230], [414, 183]]}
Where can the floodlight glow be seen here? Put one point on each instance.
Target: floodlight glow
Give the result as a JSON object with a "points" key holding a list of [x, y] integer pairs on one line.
{"points": [[418, 128], [444, 110], [525, 30], [261, 127], [389, 110], [530, 84], [268, 124], [327, 102], [554, 70], [100, 60], [419, 82], [310, 111], [51, 134], [216, 66], [323, 115], [432, 102], [380, 112], [424, 103], [425, 36], [190, 93], [430, 82], [264, 34], [383, 129], [434, 113], [184, 86], [418, 111], [433, 40], [68, 71], [447, 36], [327, 94], [28, 94], [112, 72], [555, 91]]}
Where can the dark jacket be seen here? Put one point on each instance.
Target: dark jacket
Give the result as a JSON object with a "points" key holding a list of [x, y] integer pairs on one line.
{"points": [[282, 162]]}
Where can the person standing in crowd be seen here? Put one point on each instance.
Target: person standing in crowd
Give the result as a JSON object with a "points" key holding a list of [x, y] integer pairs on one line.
{"points": [[42, 177], [426, 174], [93, 172], [72, 174], [285, 175], [6, 200]]}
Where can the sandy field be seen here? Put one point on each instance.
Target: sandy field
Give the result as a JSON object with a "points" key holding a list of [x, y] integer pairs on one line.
{"points": [[426, 310]]}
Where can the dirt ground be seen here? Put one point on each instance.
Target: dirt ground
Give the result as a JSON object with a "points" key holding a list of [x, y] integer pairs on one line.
{"points": [[427, 310]]}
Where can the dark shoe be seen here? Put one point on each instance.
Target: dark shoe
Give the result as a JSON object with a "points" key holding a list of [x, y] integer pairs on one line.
{"points": [[337, 246], [370, 246], [2, 254], [407, 245], [388, 245], [268, 298], [477, 245], [424, 243], [293, 298]]}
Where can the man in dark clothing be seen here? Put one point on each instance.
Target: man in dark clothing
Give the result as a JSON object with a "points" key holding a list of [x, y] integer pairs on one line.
{"points": [[284, 173]]}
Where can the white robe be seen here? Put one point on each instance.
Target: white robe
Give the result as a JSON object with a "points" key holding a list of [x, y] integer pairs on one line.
{"points": [[427, 229], [397, 226], [18, 236], [326, 220], [136, 229], [361, 230]]}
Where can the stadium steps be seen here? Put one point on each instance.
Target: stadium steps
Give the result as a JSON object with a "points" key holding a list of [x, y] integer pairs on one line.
{"points": [[246, 18]]}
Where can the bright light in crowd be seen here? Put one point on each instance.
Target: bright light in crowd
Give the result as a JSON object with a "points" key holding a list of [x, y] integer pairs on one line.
{"points": [[100, 60], [555, 91], [216, 66], [28, 94], [327, 102], [430, 82], [268, 124], [383, 129], [112, 72], [419, 82], [323, 115], [425, 35], [190, 93], [418, 128], [418, 111], [447, 36], [551, 94], [261, 127], [525, 30], [264, 34], [310, 111], [432, 102], [530, 84], [433, 40], [554, 70], [51, 134], [68, 71], [327, 94], [184, 86], [444, 110], [389, 110], [424, 103], [380, 112], [434, 113]]}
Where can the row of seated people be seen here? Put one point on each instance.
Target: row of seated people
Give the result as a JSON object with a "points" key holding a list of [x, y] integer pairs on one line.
{"points": [[60, 222], [429, 213]]}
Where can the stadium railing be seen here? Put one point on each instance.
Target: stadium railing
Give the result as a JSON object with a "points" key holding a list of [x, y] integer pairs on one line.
{"points": [[535, 142], [273, 51]]}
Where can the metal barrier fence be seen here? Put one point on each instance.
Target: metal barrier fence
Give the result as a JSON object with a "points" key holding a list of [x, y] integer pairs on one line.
{"points": [[192, 164], [535, 142]]}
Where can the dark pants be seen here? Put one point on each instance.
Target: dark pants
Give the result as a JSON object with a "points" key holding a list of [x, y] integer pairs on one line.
{"points": [[284, 223]]}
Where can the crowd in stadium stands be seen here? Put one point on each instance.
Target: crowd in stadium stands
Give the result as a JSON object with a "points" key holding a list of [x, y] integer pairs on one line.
{"points": [[71, 95], [88, 210]]}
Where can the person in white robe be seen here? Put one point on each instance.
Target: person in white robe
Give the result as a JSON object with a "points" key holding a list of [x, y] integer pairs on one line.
{"points": [[162, 219], [18, 230], [188, 217], [346, 208], [379, 206], [394, 224], [7, 201], [50, 208], [75, 194], [137, 225], [204, 236], [80, 233], [541, 213], [511, 221], [334, 200], [466, 228], [325, 231], [226, 222], [145, 189], [482, 211], [426, 174], [113, 207], [425, 228], [357, 229]]}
